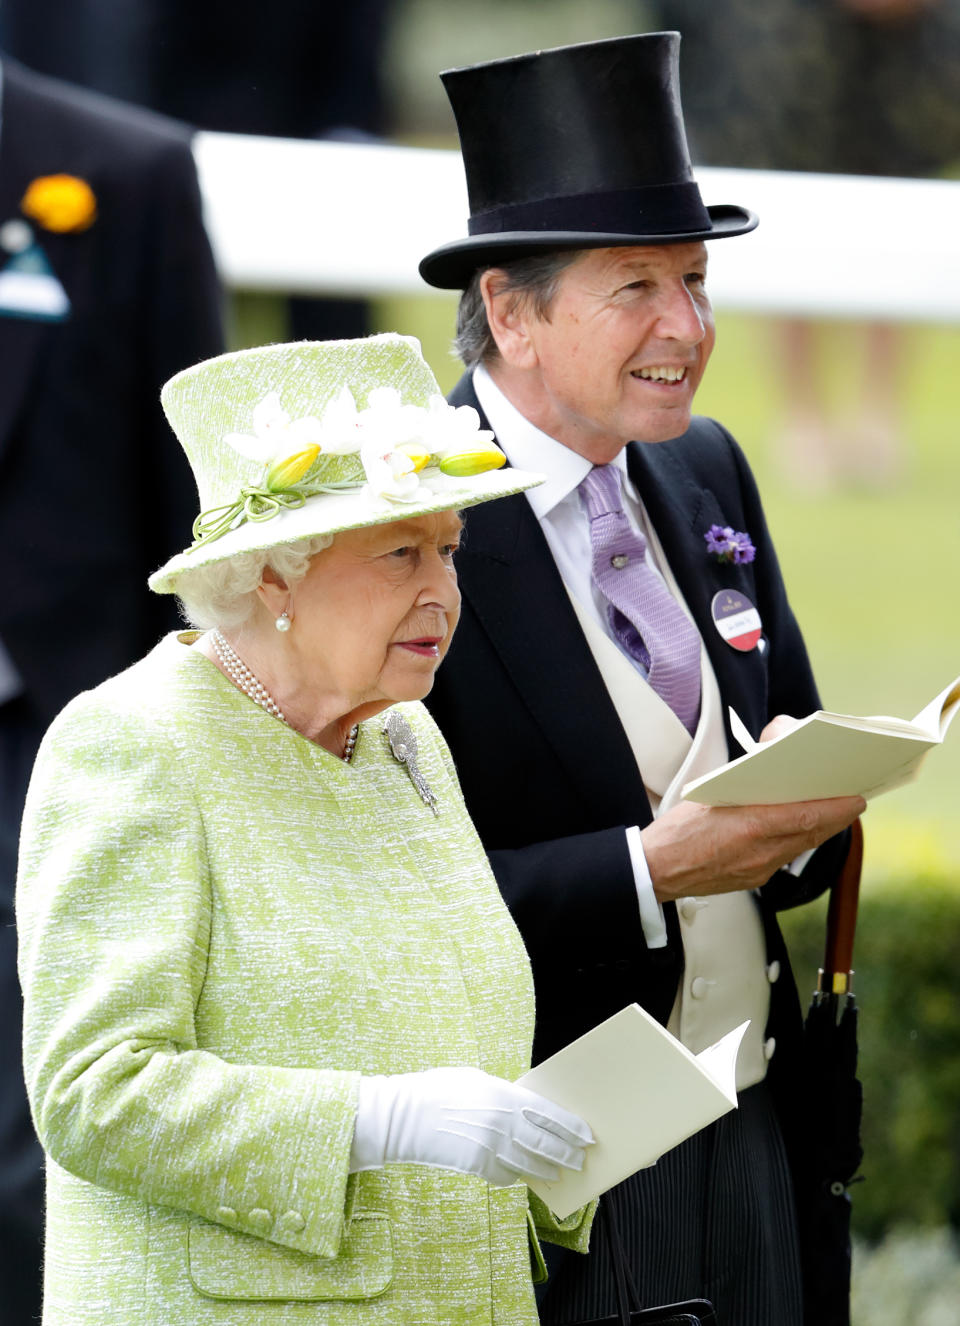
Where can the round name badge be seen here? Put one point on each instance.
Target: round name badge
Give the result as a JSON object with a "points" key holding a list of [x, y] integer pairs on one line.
{"points": [[736, 619]]}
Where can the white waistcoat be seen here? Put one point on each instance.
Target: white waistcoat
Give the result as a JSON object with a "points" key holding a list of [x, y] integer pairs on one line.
{"points": [[726, 978]]}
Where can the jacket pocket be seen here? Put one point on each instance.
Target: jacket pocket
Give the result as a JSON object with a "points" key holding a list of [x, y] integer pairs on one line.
{"points": [[225, 1264]]}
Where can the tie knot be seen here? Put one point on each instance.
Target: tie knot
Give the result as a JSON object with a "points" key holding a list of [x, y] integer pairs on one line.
{"points": [[600, 492]]}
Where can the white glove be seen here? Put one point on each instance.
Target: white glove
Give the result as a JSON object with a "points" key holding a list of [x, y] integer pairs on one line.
{"points": [[466, 1120]]}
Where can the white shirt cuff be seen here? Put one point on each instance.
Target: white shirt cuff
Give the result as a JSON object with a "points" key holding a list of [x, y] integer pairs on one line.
{"points": [[798, 864], [651, 912]]}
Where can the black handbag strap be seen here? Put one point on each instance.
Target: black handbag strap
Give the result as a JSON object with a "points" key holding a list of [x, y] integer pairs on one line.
{"points": [[694, 1312], [628, 1299]]}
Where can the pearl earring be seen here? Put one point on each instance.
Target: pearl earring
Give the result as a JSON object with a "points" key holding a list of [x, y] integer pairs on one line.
{"points": [[283, 622]]}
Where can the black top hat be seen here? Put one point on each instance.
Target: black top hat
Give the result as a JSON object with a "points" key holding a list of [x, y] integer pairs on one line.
{"points": [[578, 147]]}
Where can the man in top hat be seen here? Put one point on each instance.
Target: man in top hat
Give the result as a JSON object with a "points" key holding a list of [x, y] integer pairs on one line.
{"points": [[610, 617]]}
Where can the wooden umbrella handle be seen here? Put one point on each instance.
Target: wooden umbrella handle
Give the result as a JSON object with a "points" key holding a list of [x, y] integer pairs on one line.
{"points": [[842, 918]]}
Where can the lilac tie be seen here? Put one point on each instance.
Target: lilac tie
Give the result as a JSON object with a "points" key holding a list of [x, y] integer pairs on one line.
{"points": [[644, 616]]}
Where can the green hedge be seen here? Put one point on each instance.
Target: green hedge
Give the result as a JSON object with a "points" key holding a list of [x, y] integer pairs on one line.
{"points": [[907, 984]]}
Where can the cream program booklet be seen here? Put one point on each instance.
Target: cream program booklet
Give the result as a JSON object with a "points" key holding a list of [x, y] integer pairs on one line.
{"points": [[828, 755], [641, 1092]]}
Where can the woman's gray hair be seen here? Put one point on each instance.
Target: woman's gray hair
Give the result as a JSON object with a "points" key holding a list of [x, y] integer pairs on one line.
{"points": [[532, 279], [224, 593]]}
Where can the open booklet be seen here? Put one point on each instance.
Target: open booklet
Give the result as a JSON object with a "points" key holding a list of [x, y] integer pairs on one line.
{"points": [[828, 755], [641, 1092]]}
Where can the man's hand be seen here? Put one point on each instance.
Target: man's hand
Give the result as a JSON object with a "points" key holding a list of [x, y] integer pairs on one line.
{"points": [[696, 850]]}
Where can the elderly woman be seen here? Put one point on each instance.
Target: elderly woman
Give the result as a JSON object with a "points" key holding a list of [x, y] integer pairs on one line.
{"points": [[274, 1004]]}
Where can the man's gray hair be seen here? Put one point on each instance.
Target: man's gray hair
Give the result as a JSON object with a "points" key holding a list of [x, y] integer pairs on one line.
{"points": [[532, 279], [224, 593]]}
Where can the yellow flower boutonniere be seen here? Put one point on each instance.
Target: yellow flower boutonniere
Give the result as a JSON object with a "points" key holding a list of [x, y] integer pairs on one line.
{"points": [[63, 203]]}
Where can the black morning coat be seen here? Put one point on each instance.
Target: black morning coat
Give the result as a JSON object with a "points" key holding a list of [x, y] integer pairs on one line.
{"points": [[95, 492], [546, 769]]}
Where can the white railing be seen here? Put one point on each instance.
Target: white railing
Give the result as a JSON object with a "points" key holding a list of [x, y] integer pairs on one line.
{"points": [[334, 218]]}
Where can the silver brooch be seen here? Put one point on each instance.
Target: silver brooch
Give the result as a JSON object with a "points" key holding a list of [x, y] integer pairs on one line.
{"points": [[403, 746]]}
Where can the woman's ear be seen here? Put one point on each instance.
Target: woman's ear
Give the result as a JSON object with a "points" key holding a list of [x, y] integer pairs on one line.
{"points": [[274, 593], [508, 317]]}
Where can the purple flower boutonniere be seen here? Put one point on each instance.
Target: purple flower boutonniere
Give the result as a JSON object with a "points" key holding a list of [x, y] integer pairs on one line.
{"points": [[729, 545]]}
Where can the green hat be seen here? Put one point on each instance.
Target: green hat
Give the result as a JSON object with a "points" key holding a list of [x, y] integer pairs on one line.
{"points": [[288, 442]]}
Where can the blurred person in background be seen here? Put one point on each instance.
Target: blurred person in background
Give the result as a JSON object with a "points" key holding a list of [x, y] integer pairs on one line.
{"points": [[857, 87], [290, 69], [107, 286]]}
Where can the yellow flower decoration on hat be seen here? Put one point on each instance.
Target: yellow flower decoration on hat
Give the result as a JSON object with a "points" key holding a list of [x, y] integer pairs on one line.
{"points": [[63, 203], [400, 451], [465, 463]]}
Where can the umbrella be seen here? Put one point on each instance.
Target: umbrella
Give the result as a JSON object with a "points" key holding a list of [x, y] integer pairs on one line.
{"points": [[830, 1035]]}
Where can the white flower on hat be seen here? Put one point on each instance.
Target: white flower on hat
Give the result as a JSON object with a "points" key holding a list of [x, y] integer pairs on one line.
{"points": [[341, 425], [387, 433], [391, 449], [275, 434], [390, 474], [450, 428]]}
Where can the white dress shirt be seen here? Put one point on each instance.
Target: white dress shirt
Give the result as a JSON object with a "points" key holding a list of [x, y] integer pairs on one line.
{"points": [[566, 527]]}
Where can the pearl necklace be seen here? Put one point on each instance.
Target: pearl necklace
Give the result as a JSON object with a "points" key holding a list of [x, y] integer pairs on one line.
{"points": [[351, 741], [246, 681], [243, 678]]}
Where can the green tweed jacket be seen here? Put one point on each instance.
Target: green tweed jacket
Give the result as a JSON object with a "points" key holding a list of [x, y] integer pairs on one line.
{"points": [[222, 926]]}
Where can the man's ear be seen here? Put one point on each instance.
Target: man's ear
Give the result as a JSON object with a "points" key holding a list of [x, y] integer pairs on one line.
{"points": [[508, 317]]}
